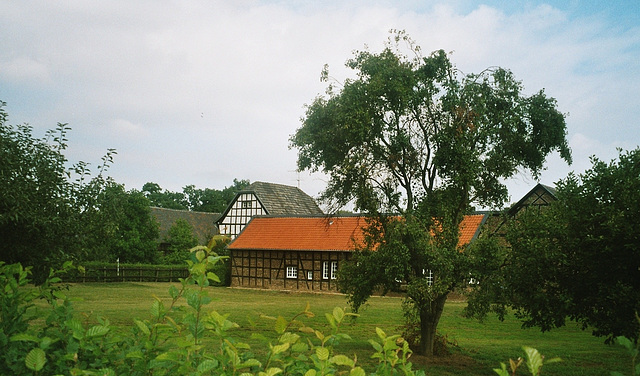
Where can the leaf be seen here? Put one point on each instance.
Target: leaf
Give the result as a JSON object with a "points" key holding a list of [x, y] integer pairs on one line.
{"points": [[322, 353], [280, 348], [24, 337], [306, 329], [534, 360], [173, 292], [35, 359], [142, 326], [213, 277], [381, 333], [501, 371], [207, 365], [357, 372], [338, 314], [250, 363], [281, 324], [97, 331], [289, 338], [342, 360], [311, 372], [157, 308], [330, 319], [271, 372], [134, 354], [376, 345], [106, 372]]}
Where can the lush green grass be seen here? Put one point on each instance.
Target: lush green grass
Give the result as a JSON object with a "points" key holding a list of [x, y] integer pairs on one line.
{"points": [[477, 347]]}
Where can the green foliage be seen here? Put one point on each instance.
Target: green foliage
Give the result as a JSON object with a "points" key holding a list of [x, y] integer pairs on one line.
{"points": [[534, 363], [633, 349], [192, 198], [180, 240], [579, 258], [184, 338], [412, 136], [119, 225]]}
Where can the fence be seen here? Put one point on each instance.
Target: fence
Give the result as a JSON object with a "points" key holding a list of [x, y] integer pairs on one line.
{"points": [[130, 274]]}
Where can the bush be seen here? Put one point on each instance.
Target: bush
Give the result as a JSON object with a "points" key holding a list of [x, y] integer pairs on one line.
{"points": [[172, 340]]}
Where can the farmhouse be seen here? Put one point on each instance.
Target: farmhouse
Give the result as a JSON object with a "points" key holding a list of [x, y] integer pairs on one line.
{"points": [[262, 198], [304, 253]]}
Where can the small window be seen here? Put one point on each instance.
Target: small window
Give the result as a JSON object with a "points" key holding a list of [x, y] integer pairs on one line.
{"points": [[245, 204], [292, 272], [325, 270], [309, 275], [429, 276]]}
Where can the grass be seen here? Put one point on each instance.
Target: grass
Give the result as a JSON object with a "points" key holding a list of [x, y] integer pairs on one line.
{"points": [[477, 347]]}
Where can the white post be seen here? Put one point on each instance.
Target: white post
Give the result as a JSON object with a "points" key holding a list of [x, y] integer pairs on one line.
{"points": [[118, 269]]}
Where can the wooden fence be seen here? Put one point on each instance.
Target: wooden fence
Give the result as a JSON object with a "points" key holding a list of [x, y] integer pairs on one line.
{"points": [[130, 274]]}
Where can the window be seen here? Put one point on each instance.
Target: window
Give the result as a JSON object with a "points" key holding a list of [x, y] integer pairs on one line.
{"points": [[309, 275], [245, 204], [292, 272], [329, 269], [428, 274], [334, 269]]}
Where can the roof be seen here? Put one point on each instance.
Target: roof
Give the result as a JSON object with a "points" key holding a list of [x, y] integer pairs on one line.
{"points": [[280, 199], [204, 224], [321, 233]]}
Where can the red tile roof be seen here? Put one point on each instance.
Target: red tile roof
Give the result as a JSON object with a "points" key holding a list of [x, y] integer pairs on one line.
{"points": [[319, 233]]}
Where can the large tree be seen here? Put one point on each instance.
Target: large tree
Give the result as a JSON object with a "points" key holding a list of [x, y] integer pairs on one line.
{"points": [[579, 259], [413, 137]]}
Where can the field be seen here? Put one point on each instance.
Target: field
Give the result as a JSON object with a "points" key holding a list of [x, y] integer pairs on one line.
{"points": [[476, 347]]}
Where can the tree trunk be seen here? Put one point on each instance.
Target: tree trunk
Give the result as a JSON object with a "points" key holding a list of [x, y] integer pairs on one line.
{"points": [[429, 317]]}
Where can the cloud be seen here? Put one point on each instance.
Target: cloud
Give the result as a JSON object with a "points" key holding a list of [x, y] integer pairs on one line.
{"points": [[201, 92]]}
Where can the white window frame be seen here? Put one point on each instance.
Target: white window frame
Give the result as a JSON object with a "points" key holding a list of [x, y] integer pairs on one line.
{"points": [[292, 272], [309, 274], [329, 269], [325, 270], [334, 269], [429, 276]]}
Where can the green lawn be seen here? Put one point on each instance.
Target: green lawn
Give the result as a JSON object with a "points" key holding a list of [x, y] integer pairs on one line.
{"points": [[477, 347]]}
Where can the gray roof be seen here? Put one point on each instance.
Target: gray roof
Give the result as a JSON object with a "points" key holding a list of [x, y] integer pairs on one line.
{"points": [[204, 224], [280, 199]]}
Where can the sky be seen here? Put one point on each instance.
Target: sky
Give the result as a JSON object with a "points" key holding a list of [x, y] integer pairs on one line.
{"points": [[201, 92]]}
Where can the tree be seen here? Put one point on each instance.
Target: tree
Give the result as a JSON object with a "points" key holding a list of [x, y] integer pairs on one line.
{"points": [[412, 136], [121, 227], [41, 207], [181, 239], [192, 198], [163, 199], [579, 259]]}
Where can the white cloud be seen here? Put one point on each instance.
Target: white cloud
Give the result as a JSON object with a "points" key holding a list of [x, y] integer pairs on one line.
{"points": [[201, 92]]}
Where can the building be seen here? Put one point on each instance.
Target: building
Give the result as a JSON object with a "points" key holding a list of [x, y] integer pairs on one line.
{"points": [[304, 253], [262, 198], [204, 224]]}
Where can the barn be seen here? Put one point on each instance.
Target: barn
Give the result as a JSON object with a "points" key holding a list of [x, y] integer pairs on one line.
{"points": [[261, 198], [304, 252]]}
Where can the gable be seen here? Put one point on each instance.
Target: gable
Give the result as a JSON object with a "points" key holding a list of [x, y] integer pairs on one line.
{"points": [[244, 206], [539, 196], [261, 198]]}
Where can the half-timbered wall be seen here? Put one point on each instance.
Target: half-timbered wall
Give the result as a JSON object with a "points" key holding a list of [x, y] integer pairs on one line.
{"points": [[246, 206], [286, 270]]}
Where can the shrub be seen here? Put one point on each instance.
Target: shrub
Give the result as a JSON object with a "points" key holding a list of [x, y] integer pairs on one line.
{"points": [[174, 340]]}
